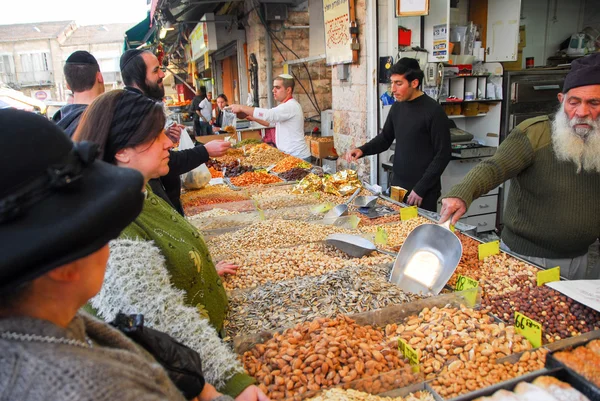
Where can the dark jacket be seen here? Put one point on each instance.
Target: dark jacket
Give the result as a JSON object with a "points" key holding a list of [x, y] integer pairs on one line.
{"points": [[68, 117]]}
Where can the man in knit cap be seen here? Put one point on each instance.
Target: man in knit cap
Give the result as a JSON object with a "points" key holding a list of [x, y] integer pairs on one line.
{"points": [[85, 80], [552, 213]]}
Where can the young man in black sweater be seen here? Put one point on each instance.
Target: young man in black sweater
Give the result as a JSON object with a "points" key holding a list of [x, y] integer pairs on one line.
{"points": [[421, 130]]}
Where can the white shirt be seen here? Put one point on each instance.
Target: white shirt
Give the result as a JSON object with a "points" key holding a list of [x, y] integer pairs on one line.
{"points": [[289, 127], [206, 109]]}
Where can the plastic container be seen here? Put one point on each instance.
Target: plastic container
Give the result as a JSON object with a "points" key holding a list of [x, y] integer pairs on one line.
{"points": [[470, 109]]}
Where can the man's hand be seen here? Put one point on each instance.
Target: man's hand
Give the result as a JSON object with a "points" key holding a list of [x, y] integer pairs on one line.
{"points": [[454, 207], [240, 111], [217, 148], [174, 132], [353, 155], [252, 393], [414, 199], [224, 268]]}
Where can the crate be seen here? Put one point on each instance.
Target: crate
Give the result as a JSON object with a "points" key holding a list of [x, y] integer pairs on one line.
{"points": [[322, 149]]}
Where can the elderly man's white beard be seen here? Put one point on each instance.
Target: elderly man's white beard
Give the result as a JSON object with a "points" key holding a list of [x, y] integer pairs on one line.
{"points": [[578, 145]]}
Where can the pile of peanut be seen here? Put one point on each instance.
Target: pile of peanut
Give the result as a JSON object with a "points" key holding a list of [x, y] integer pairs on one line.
{"points": [[479, 374], [320, 354], [258, 267], [281, 198], [398, 231], [451, 337]]}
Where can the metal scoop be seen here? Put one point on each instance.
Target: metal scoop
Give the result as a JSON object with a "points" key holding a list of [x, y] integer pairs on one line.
{"points": [[354, 245], [427, 259], [366, 201], [341, 209]]}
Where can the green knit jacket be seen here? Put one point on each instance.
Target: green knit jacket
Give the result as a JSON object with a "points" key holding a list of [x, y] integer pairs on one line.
{"points": [[161, 267], [552, 211]]}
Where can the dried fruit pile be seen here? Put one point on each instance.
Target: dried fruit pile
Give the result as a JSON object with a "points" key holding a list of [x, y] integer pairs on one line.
{"points": [[254, 178]]}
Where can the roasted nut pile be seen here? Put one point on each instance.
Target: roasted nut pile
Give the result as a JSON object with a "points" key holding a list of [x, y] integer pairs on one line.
{"points": [[207, 224], [277, 264], [320, 354], [231, 156], [585, 360], [479, 374], [398, 231], [216, 212], [303, 213], [263, 155], [560, 316], [288, 163], [254, 178], [339, 394], [350, 290], [454, 336], [274, 198], [201, 200], [271, 233]]}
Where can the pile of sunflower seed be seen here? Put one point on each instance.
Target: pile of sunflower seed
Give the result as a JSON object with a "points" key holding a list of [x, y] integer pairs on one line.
{"points": [[350, 290]]}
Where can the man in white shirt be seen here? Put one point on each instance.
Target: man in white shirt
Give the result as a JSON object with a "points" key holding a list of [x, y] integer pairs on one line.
{"points": [[288, 118]]}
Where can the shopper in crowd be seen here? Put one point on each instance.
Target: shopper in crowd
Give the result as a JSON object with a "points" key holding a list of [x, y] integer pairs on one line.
{"points": [[201, 107], [142, 74], [288, 118], [55, 232], [85, 80], [161, 246], [552, 212], [218, 120], [420, 127]]}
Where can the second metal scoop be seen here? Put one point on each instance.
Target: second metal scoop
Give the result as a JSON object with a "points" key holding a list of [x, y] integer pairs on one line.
{"points": [[366, 201], [354, 245], [341, 209]]}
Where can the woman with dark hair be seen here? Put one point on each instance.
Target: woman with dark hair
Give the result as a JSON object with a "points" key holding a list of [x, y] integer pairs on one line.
{"points": [[221, 104], [160, 265], [55, 232]]}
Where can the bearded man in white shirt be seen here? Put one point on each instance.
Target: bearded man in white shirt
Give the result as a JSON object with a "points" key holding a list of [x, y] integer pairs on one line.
{"points": [[287, 117]]}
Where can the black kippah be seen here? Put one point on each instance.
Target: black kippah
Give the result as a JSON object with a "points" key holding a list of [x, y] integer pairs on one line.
{"points": [[409, 63], [81, 57], [128, 56]]}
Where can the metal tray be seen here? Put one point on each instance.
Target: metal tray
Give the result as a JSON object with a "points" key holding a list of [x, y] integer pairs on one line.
{"points": [[561, 374]]}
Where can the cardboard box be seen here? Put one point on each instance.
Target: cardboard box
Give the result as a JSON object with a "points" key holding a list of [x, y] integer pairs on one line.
{"points": [[322, 149], [253, 134], [522, 37]]}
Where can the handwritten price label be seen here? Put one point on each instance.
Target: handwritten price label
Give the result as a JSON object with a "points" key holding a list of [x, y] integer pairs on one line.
{"points": [[407, 213], [489, 249], [465, 283], [528, 328], [322, 208], [548, 276], [381, 237], [409, 353]]}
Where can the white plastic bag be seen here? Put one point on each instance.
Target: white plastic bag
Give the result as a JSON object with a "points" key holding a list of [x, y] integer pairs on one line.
{"points": [[198, 177]]}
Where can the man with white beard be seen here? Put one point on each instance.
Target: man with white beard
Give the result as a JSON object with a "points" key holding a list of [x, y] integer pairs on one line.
{"points": [[552, 212]]}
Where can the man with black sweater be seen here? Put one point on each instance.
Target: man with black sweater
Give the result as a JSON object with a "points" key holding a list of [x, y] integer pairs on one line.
{"points": [[421, 130]]}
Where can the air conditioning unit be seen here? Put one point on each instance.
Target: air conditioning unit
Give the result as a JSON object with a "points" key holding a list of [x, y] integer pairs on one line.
{"points": [[276, 12]]}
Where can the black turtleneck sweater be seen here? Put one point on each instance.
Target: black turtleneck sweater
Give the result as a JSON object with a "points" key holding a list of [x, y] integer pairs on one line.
{"points": [[421, 130]]}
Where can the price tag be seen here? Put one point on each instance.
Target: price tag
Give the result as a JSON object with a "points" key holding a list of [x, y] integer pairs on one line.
{"points": [[409, 353], [548, 276], [489, 249], [407, 213], [466, 283], [261, 215], [352, 222], [322, 208], [381, 236], [528, 328]]}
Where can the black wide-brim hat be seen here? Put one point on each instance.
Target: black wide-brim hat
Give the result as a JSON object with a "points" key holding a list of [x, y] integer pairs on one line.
{"points": [[57, 202]]}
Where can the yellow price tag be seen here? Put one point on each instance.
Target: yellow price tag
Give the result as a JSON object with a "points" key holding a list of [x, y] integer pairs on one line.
{"points": [[409, 353], [466, 283], [322, 208], [261, 215], [489, 249], [548, 276], [353, 222], [407, 213], [528, 328], [381, 236]]}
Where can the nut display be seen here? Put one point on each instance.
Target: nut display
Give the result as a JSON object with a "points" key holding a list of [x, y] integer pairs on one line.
{"points": [[560, 316], [451, 337], [288, 163], [263, 155], [254, 178], [261, 266], [474, 375], [320, 354], [231, 156], [339, 394], [398, 231], [294, 174], [198, 201], [350, 290], [585, 360], [281, 197]]}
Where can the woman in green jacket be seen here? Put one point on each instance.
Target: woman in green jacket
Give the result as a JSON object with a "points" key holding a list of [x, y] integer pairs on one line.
{"points": [[160, 265]]}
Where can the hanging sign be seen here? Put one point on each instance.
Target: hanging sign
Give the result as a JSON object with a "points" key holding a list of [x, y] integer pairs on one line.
{"points": [[336, 14], [412, 7]]}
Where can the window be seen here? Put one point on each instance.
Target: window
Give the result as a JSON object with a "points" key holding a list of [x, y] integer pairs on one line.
{"points": [[36, 68], [7, 69]]}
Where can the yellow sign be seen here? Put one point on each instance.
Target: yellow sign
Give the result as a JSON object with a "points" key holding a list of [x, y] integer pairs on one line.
{"points": [[206, 61], [548, 276], [466, 283], [322, 208], [528, 328], [407, 213], [409, 353], [353, 222], [489, 249], [381, 236]]}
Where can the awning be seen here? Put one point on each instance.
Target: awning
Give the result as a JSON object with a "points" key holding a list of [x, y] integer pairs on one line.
{"points": [[17, 100], [140, 34]]}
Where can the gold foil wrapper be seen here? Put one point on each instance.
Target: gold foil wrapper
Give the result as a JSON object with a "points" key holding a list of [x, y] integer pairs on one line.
{"points": [[398, 193], [310, 183], [342, 183]]}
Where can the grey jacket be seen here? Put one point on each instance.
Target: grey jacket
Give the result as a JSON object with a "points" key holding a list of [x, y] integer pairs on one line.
{"points": [[113, 369]]}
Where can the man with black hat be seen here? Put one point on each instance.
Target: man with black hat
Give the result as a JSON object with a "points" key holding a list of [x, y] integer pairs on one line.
{"points": [[552, 212], [142, 73], [422, 133], [85, 80]]}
